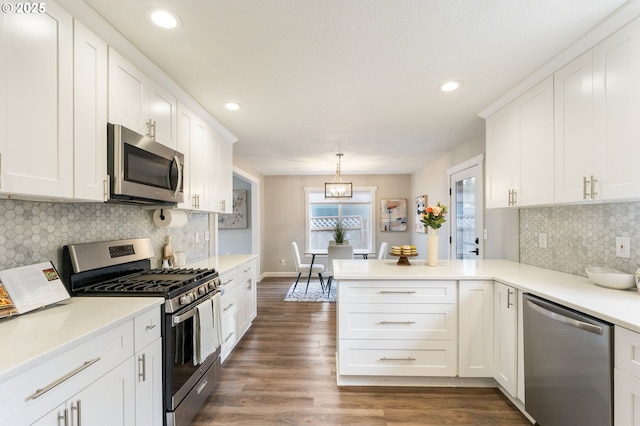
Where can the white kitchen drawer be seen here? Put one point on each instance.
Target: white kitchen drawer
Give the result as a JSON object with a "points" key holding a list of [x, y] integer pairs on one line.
{"points": [[246, 270], [397, 321], [397, 358], [229, 300], [627, 351], [73, 369], [229, 278], [389, 291], [146, 328], [229, 332]]}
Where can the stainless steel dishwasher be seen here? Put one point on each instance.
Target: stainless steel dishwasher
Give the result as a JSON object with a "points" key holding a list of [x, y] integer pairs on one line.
{"points": [[568, 365]]}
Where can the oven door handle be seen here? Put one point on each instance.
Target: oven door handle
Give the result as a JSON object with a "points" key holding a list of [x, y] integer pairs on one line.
{"points": [[179, 170], [177, 319]]}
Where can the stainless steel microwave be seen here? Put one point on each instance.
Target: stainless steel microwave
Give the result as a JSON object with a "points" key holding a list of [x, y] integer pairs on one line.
{"points": [[141, 170]]}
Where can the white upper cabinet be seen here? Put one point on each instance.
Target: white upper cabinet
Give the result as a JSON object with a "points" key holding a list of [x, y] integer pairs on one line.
{"points": [[575, 153], [136, 102], [616, 102], [36, 108], [535, 110], [503, 157], [520, 150], [90, 114], [224, 167]]}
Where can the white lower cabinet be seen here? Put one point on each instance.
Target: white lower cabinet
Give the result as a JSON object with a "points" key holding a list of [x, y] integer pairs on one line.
{"points": [[102, 381], [109, 400], [505, 337], [406, 328], [475, 347], [626, 378], [247, 296]]}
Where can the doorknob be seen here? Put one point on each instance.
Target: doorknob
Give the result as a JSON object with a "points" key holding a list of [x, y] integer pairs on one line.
{"points": [[476, 251]]}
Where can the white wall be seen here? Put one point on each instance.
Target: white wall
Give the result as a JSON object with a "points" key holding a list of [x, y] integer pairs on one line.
{"points": [[431, 180], [284, 214]]}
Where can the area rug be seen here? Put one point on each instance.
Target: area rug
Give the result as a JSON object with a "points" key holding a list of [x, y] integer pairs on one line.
{"points": [[314, 294]]}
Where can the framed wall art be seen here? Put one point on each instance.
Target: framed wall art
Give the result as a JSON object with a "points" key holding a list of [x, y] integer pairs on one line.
{"points": [[393, 215], [237, 219], [421, 203]]}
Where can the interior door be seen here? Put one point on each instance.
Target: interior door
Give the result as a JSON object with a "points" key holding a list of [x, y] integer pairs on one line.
{"points": [[467, 213]]}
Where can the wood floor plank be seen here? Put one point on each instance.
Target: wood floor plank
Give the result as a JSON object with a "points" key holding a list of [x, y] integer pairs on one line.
{"points": [[283, 373]]}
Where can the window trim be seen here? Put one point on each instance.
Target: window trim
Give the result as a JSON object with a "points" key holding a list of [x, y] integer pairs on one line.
{"points": [[319, 189]]}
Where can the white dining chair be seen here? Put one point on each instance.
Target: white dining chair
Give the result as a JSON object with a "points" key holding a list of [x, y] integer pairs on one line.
{"points": [[336, 252], [384, 248], [305, 267]]}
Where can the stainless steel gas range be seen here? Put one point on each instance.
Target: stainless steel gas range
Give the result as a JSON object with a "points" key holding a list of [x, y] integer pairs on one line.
{"points": [[123, 268]]}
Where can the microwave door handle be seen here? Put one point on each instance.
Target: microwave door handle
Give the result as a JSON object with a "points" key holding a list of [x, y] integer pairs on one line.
{"points": [[176, 160]]}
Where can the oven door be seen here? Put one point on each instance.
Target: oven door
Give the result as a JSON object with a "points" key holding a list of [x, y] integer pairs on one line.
{"points": [[143, 169], [183, 379]]}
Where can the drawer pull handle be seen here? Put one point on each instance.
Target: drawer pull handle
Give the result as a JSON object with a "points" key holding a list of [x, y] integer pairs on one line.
{"points": [[396, 322], [396, 292], [39, 392], [228, 337], [384, 358], [151, 327], [229, 306]]}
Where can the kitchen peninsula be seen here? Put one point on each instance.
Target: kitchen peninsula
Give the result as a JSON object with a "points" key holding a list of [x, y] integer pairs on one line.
{"points": [[460, 323]]}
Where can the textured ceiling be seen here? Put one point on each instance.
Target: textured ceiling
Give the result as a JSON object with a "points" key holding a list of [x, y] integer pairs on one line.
{"points": [[318, 77]]}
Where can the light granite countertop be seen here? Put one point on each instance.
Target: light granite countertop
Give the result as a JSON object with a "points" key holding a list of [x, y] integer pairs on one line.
{"points": [[620, 307]]}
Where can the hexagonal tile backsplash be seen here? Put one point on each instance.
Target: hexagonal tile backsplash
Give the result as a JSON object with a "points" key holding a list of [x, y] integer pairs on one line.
{"points": [[32, 232], [579, 236]]}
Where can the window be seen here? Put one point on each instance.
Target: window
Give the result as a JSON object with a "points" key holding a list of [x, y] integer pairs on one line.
{"points": [[356, 214]]}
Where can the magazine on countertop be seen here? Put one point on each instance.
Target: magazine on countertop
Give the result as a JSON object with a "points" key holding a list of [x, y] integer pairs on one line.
{"points": [[31, 287]]}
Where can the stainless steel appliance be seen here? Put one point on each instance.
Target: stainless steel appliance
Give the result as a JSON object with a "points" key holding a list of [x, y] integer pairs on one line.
{"points": [[568, 365], [123, 268], [141, 170]]}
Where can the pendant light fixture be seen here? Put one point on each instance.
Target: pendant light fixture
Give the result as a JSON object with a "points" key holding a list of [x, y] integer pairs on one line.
{"points": [[337, 188]]}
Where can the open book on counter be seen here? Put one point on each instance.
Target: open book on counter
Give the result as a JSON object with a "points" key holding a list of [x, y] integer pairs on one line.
{"points": [[31, 287]]}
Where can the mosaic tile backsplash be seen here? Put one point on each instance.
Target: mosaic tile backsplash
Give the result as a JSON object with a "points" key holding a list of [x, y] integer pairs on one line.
{"points": [[32, 232], [579, 236]]}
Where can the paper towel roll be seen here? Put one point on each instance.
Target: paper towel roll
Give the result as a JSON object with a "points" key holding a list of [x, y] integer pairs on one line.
{"points": [[172, 218]]}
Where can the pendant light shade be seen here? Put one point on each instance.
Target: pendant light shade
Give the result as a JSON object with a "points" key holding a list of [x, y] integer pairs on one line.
{"points": [[337, 188]]}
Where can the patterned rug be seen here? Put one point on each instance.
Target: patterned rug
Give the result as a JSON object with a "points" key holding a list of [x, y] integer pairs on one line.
{"points": [[314, 294]]}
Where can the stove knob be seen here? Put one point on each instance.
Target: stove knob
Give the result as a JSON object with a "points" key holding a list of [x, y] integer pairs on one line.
{"points": [[184, 300], [202, 289], [212, 285]]}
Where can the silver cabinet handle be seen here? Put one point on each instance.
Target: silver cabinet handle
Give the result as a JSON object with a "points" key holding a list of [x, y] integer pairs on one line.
{"points": [[63, 416], [39, 392], [509, 302], [229, 306], [76, 407], [142, 368], [230, 280], [584, 188], [591, 328], [396, 322], [384, 358], [150, 327], [228, 337], [396, 292], [593, 187]]}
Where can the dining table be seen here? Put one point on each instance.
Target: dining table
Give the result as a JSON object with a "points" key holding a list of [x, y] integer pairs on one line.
{"points": [[324, 252]]}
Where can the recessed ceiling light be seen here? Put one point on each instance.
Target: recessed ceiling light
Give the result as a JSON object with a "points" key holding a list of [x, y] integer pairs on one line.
{"points": [[232, 106], [163, 18], [449, 86]]}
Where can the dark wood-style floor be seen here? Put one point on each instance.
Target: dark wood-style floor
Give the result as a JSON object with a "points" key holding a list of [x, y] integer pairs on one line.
{"points": [[283, 372]]}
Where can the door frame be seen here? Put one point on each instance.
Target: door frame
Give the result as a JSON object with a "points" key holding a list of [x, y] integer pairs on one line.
{"points": [[478, 160]]}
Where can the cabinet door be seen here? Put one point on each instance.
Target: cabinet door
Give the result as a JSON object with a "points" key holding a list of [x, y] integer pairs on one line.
{"points": [[503, 156], [475, 356], [183, 140], [90, 114], [162, 112], [127, 105], [535, 109], [627, 398], [149, 409], [36, 112], [574, 138], [616, 67], [505, 337], [201, 154]]}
